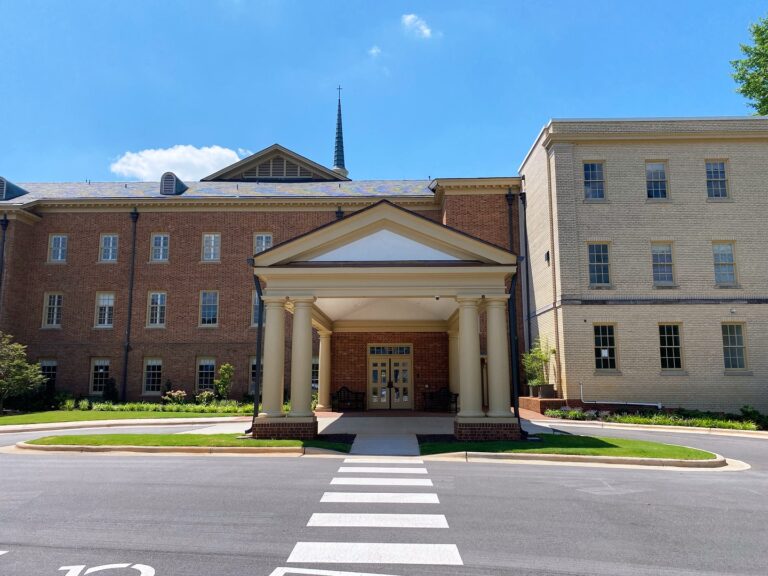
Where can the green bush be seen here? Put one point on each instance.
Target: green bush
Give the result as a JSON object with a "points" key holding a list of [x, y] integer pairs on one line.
{"points": [[68, 405], [223, 383], [84, 404], [175, 397], [220, 407], [205, 397], [750, 419]]}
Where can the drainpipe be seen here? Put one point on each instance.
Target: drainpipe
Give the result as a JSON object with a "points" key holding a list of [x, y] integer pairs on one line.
{"points": [[127, 344], [4, 228], [527, 279], [514, 353], [259, 349]]}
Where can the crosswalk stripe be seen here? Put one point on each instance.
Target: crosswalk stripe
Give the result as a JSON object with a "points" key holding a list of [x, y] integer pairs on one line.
{"points": [[375, 553], [381, 497], [383, 460], [3, 552], [382, 481], [379, 520], [380, 470]]}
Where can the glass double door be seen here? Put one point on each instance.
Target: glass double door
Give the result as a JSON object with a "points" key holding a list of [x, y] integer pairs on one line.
{"points": [[390, 377]]}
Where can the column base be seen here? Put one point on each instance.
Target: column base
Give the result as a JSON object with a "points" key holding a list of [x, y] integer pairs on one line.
{"points": [[484, 429], [320, 408], [285, 428]]}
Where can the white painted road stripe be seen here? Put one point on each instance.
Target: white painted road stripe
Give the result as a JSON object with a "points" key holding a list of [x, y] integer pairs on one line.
{"points": [[375, 553], [381, 497], [382, 481], [3, 552], [315, 572], [380, 470], [383, 460], [379, 520]]}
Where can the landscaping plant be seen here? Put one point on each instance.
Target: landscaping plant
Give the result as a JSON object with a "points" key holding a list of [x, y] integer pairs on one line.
{"points": [[536, 363], [223, 383], [17, 376]]}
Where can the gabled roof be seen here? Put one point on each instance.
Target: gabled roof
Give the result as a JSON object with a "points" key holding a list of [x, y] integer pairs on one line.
{"points": [[235, 171]]}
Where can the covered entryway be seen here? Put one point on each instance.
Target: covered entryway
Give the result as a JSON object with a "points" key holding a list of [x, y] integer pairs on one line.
{"points": [[395, 298]]}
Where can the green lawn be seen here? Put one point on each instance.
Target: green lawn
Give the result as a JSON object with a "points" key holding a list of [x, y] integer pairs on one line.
{"points": [[83, 415], [220, 440], [574, 445]]}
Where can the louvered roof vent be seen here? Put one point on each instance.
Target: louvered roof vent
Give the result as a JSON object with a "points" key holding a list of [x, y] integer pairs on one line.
{"points": [[9, 190], [171, 185]]}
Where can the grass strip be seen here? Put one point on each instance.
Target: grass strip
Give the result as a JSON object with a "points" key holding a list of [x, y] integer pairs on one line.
{"points": [[54, 416], [573, 445], [206, 440]]}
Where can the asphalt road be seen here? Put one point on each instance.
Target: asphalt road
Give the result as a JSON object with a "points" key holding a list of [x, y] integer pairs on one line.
{"points": [[211, 516]]}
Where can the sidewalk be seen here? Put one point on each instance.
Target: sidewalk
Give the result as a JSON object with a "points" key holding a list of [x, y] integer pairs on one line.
{"points": [[128, 422]]}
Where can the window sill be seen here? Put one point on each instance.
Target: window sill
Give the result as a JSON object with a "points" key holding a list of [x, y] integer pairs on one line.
{"points": [[51, 327], [728, 286], [596, 201], [151, 394], [155, 327], [738, 373], [666, 286], [657, 200], [157, 261], [210, 261], [608, 373], [103, 327], [56, 262], [207, 325], [725, 200], [673, 373], [601, 287], [106, 261]]}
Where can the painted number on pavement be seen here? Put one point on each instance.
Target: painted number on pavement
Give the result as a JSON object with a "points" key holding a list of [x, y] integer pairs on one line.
{"points": [[142, 569]]}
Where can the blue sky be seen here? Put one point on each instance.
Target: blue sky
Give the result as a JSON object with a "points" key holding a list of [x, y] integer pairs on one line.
{"points": [[431, 89]]}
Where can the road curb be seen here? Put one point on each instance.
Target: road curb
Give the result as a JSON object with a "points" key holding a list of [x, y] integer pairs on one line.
{"points": [[128, 422], [653, 428], [717, 462], [165, 449]]}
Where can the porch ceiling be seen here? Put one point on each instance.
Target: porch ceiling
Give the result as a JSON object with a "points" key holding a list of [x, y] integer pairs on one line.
{"points": [[387, 309]]}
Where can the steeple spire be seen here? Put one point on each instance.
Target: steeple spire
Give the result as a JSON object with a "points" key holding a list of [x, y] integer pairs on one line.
{"points": [[338, 152]]}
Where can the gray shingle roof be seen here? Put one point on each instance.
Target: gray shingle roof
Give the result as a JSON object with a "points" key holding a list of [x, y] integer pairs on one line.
{"points": [[212, 190]]}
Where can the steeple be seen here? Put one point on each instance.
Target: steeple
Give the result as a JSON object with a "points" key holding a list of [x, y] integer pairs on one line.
{"points": [[338, 152]]}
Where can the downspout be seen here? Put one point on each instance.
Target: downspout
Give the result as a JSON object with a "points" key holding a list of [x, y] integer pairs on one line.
{"points": [[127, 344], [4, 228], [259, 349], [514, 352], [527, 279]]}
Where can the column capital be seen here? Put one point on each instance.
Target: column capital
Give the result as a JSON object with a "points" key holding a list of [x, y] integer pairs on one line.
{"points": [[468, 300], [302, 300], [273, 301], [324, 333], [496, 301]]}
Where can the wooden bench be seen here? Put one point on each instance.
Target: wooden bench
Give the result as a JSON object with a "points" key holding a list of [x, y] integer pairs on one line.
{"points": [[346, 399], [442, 400]]}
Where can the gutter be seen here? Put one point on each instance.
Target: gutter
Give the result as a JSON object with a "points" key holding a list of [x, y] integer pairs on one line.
{"points": [[4, 227], [514, 354], [259, 349], [127, 342]]}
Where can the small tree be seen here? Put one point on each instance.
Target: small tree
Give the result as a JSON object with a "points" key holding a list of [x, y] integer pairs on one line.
{"points": [[536, 363], [223, 383], [17, 376], [751, 72]]}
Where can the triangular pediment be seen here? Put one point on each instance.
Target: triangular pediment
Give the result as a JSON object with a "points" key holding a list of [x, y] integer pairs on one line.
{"points": [[387, 234], [275, 164]]}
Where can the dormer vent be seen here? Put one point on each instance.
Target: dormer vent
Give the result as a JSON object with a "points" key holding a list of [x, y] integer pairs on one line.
{"points": [[9, 190], [171, 185]]}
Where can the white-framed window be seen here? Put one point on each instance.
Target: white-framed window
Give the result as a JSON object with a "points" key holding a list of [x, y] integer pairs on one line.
{"points": [[52, 306], [57, 248], [49, 368], [99, 375], [209, 308], [594, 181], [153, 375], [599, 264], [656, 180], [261, 242], [160, 247], [206, 372], [734, 348], [663, 269], [717, 179], [211, 247], [156, 303], [254, 308], [108, 248], [725, 263], [105, 309], [605, 347], [670, 347]]}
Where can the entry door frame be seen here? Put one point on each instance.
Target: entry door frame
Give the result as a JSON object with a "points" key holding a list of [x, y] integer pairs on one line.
{"points": [[369, 358]]}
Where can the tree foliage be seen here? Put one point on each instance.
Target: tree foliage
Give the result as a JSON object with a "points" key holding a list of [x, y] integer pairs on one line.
{"points": [[223, 384], [536, 363], [17, 376], [751, 72]]}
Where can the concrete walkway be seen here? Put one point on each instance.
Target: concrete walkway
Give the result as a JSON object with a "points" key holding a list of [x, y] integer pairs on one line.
{"points": [[385, 445]]}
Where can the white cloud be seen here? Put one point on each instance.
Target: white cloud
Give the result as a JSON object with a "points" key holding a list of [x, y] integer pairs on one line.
{"points": [[413, 23], [187, 162], [374, 51]]}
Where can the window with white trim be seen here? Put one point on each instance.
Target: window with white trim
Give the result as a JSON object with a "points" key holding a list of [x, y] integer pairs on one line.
{"points": [[605, 347], [656, 180], [105, 309], [661, 257], [48, 369], [57, 248], [153, 375], [160, 247], [108, 248], [156, 304], [99, 375], [670, 347], [717, 180], [734, 350], [209, 308], [261, 242], [206, 372], [52, 309], [211, 247], [725, 263]]}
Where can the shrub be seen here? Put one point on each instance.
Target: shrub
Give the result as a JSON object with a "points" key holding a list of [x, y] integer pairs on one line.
{"points": [[205, 397], [751, 414], [17, 376], [175, 397], [223, 383], [110, 393], [68, 405], [536, 363], [84, 404]]}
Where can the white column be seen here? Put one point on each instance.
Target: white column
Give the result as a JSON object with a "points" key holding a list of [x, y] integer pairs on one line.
{"points": [[470, 395], [274, 357], [301, 358], [453, 361], [324, 373], [499, 395]]}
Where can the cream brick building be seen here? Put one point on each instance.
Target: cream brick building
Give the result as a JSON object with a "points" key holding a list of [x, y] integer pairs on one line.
{"points": [[647, 259]]}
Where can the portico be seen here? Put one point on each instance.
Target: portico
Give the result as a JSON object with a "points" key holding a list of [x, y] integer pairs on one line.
{"points": [[385, 283]]}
